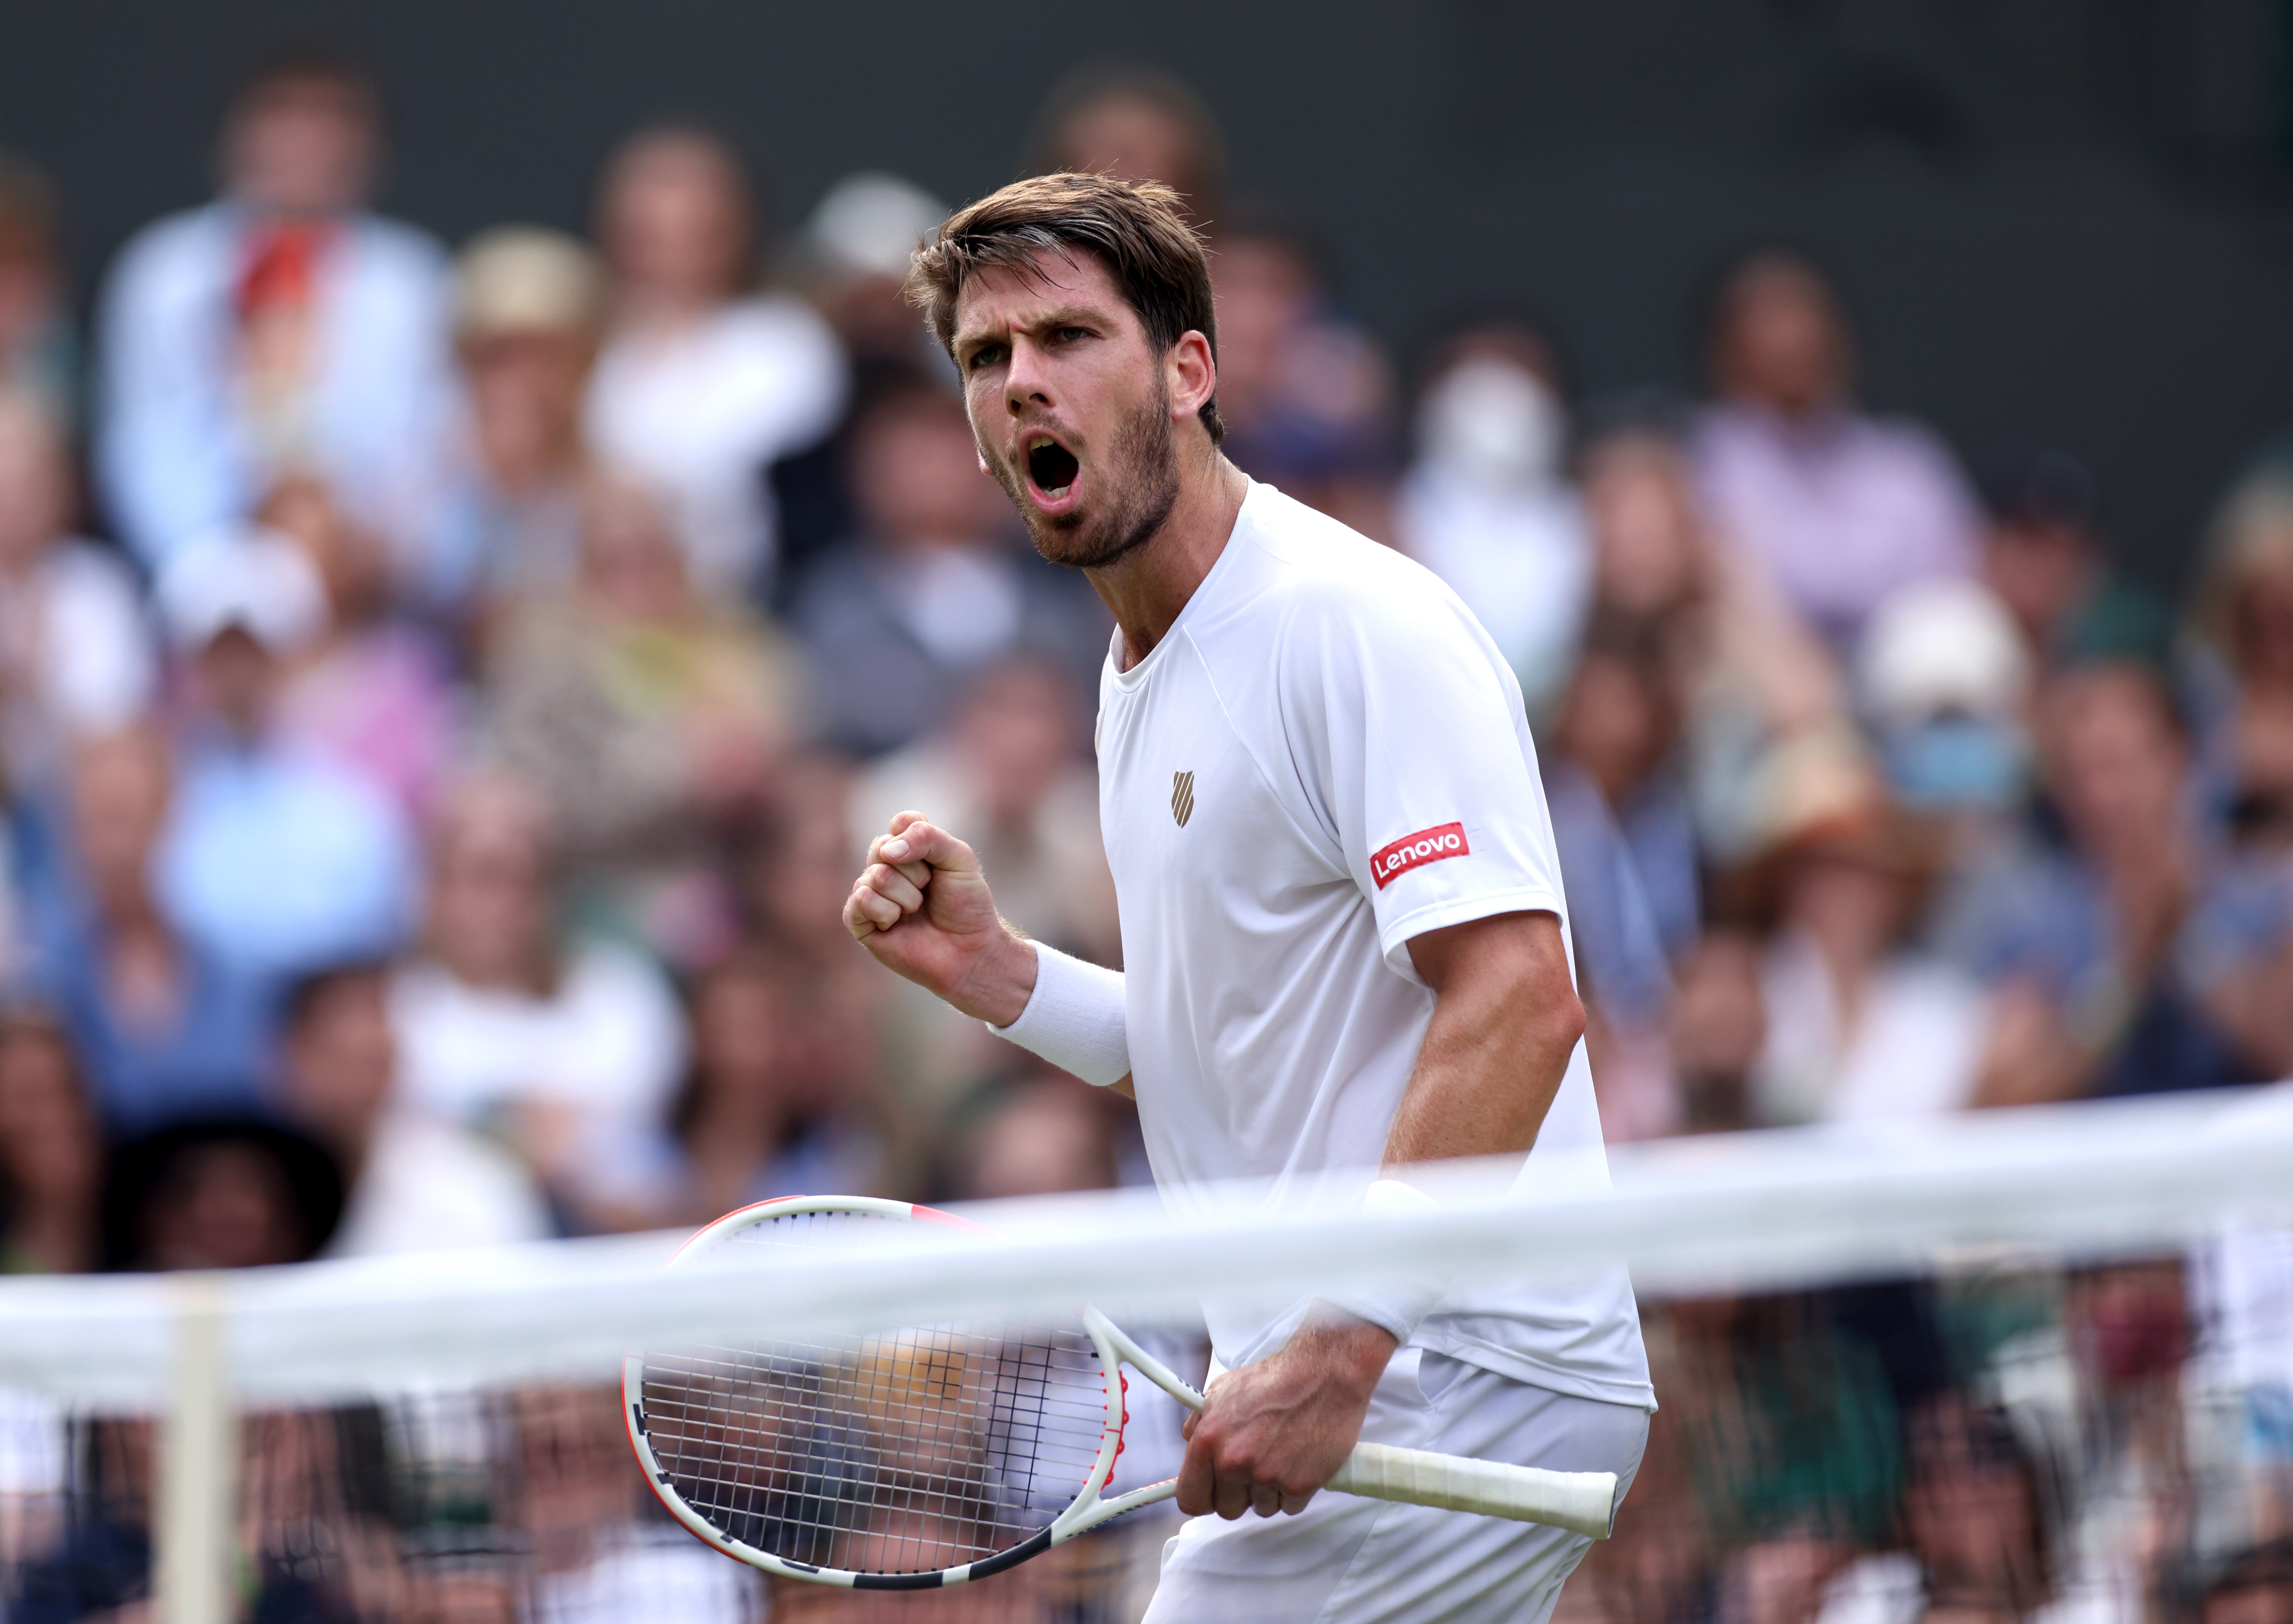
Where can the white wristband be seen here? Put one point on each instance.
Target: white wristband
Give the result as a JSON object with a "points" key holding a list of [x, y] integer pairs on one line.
{"points": [[1400, 1307], [1073, 1018]]}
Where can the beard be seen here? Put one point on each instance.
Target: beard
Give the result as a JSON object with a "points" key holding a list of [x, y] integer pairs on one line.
{"points": [[1140, 481]]}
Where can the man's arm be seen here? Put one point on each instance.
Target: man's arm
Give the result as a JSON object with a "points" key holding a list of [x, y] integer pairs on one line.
{"points": [[1505, 1021]]}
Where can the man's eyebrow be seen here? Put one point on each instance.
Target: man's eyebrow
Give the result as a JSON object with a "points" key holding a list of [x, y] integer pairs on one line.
{"points": [[1065, 316], [1074, 315]]}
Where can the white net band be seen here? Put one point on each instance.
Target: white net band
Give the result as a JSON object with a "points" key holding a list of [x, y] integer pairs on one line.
{"points": [[1735, 1213]]}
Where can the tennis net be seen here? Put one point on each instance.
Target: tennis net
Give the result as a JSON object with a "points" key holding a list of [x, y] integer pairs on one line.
{"points": [[2033, 1362]]}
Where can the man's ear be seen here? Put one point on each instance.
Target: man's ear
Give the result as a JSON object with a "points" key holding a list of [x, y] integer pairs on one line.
{"points": [[1193, 374]]}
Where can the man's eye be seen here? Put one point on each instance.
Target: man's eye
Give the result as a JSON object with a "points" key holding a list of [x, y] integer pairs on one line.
{"points": [[1069, 335], [987, 355]]}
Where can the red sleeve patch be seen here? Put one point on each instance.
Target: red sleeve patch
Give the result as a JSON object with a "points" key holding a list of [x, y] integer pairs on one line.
{"points": [[1387, 863]]}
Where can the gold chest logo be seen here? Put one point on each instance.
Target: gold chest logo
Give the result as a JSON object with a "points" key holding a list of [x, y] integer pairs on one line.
{"points": [[1182, 797]]}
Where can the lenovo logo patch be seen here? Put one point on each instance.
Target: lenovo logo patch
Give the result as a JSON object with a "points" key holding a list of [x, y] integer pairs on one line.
{"points": [[1414, 851]]}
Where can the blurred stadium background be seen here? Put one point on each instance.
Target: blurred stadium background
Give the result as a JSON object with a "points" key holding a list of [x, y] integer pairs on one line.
{"points": [[480, 546]]}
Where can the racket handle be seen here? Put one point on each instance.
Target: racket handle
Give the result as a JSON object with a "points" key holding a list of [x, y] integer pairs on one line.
{"points": [[1582, 1502]]}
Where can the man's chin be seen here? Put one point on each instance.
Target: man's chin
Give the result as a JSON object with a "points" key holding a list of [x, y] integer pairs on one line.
{"points": [[1070, 539]]}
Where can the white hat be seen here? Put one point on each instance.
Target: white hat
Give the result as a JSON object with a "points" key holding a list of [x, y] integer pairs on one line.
{"points": [[869, 224], [255, 580], [525, 279], [1938, 646]]}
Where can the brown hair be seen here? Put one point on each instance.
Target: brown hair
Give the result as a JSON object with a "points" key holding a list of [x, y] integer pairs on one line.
{"points": [[299, 67], [1139, 231]]}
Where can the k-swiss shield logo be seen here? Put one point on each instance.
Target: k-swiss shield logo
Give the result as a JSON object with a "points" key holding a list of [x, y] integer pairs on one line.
{"points": [[1182, 797]]}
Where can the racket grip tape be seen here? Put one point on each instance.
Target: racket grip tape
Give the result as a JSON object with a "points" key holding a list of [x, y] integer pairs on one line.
{"points": [[1582, 1502]]}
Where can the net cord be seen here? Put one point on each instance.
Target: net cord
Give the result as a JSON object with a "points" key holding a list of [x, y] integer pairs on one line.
{"points": [[1728, 1212]]}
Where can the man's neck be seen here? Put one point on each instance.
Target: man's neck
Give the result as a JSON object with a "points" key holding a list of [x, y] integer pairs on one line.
{"points": [[1147, 586]]}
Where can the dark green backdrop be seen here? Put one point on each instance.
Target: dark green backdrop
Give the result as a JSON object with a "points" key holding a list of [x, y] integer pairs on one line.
{"points": [[2061, 220]]}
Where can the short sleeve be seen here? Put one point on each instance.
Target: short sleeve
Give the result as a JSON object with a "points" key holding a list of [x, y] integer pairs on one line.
{"points": [[1413, 747]]}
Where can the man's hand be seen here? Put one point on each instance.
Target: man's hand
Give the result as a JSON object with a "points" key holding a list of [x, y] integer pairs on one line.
{"points": [[922, 907], [1271, 1433]]}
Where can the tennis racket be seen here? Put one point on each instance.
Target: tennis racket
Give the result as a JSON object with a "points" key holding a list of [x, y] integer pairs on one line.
{"points": [[929, 1455]]}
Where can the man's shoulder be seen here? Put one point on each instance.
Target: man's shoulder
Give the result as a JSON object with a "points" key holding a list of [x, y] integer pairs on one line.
{"points": [[399, 248], [188, 244], [1308, 569]]}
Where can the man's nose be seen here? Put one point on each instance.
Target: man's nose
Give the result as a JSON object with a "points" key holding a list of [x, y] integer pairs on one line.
{"points": [[1026, 382]]}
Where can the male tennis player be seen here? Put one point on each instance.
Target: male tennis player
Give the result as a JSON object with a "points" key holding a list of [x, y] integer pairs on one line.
{"points": [[1345, 943]]}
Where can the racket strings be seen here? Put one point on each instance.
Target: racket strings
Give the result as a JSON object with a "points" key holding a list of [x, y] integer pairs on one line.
{"points": [[907, 1451]]}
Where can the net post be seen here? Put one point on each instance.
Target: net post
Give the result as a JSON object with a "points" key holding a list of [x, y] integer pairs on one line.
{"points": [[198, 1462]]}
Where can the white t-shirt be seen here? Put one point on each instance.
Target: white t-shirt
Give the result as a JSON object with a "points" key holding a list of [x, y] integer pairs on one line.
{"points": [[1325, 756], [430, 1186], [609, 1043], [1914, 1051]]}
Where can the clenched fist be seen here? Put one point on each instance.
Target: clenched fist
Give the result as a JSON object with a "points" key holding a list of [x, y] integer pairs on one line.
{"points": [[921, 906]]}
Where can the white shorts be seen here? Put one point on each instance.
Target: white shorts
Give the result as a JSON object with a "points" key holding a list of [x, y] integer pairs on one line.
{"points": [[1345, 1560]]}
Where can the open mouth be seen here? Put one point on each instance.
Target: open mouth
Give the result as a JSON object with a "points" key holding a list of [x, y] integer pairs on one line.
{"points": [[1052, 467]]}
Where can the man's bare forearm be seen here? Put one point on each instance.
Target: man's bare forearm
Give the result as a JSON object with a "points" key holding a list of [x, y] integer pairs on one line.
{"points": [[1505, 1021]]}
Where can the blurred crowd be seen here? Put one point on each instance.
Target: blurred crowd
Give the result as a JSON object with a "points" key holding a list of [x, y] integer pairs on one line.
{"points": [[443, 697]]}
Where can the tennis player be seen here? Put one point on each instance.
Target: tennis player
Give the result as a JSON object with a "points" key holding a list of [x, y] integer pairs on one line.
{"points": [[1345, 944]]}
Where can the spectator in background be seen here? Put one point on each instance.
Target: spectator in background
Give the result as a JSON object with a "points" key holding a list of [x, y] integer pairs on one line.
{"points": [[702, 382], [1009, 764], [1843, 508], [1628, 862], [648, 715], [852, 259], [936, 587], [1306, 394], [1719, 1030], [1485, 505], [76, 654], [2244, 622], [528, 308], [1653, 567], [277, 860], [756, 1120], [1039, 1134], [1859, 1023], [1944, 681], [223, 1192], [567, 1047], [792, 864], [2126, 957], [591, 1551], [37, 355], [1978, 1523], [2041, 553], [1747, 678], [1009, 768], [164, 1026], [2099, 1392], [371, 693], [414, 1183], [51, 1152], [1136, 124], [281, 329]]}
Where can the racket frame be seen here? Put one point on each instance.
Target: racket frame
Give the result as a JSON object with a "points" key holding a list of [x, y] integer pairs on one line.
{"points": [[1086, 1512], [1581, 1502]]}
